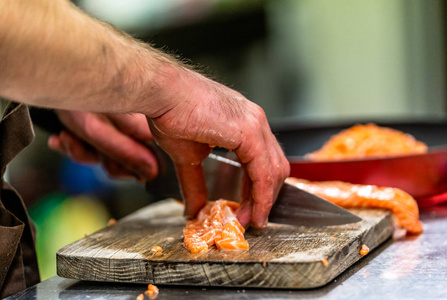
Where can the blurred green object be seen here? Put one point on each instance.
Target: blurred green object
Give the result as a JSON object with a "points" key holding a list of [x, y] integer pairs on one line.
{"points": [[62, 219]]}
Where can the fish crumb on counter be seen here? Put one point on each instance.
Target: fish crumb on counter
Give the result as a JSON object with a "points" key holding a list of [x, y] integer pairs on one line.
{"points": [[364, 250], [325, 262], [151, 293], [157, 250], [348, 195], [216, 224]]}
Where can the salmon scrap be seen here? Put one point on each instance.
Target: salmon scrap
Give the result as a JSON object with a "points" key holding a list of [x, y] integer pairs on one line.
{"points": [[367, 140], [157, 250], [216, 224], [403, 206], [152, 292], [364, 250]]}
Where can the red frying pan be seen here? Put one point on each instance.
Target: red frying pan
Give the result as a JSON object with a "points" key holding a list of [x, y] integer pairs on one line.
{"points": [[424, 176]]}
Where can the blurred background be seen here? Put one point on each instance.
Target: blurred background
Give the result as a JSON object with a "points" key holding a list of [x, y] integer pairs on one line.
{"points": [[307, 60]]}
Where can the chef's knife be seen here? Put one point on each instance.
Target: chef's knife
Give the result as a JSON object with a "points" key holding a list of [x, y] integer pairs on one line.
{"points": [[293, 205], [223, 175]]}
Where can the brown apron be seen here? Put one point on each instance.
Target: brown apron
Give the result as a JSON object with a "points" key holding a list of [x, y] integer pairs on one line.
{"points": [[18, 262]]}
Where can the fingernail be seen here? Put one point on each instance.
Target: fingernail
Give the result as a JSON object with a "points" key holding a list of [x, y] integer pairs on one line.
{"points": [[265, 223], [52, 141], [261, 225]]}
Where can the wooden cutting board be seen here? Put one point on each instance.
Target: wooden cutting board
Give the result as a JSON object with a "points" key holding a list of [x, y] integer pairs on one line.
{"points": [[280, 256]]}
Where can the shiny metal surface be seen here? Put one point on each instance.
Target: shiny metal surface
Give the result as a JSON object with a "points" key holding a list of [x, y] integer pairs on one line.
{"points": [[410, 268], [298, 207]]}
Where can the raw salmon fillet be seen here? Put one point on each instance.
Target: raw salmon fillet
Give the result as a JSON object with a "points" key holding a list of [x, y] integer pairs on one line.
{"points": [[216, 224], [367, 140], [403, 206]]}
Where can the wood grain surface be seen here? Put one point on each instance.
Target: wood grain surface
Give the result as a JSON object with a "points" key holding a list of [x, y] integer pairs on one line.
{"points": [[280, 256]]}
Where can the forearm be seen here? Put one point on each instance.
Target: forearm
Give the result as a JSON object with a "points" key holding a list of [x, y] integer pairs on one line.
{"points": [[53, 55]]}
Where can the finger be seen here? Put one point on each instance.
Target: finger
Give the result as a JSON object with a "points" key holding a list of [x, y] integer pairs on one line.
{"points": [[254, 151], [194, 191], [134, 125], [54, 143], [119, 147], [275, 172], [245, 208], [279, 163], [115, 170], [74, 148], [187, 157], [262, 192], [259, 171], [78, 150], [279, 170]]}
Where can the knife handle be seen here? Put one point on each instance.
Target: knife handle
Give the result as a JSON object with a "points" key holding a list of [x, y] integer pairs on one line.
{"points": [[166, 184]]}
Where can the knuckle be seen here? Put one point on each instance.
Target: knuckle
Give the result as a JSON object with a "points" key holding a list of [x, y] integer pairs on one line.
{"points": [[270, 202], [281, 169], [91, 127], [259, 113], [270, 181]]}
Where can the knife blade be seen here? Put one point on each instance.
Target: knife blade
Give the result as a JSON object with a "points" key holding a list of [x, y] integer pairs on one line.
{"points": [[293, 206], [223, 179]]}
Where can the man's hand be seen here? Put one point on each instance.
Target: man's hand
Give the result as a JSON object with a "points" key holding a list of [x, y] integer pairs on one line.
{"points": [[213, 115], [115, 140]]}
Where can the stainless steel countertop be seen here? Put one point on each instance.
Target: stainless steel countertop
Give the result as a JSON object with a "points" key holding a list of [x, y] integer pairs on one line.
{"points": [[401, 268]]}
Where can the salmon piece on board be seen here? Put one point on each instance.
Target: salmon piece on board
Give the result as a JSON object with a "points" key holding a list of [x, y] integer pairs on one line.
{"points": [[367, 140], [403, 206], [216, 224], [231, 244]]}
